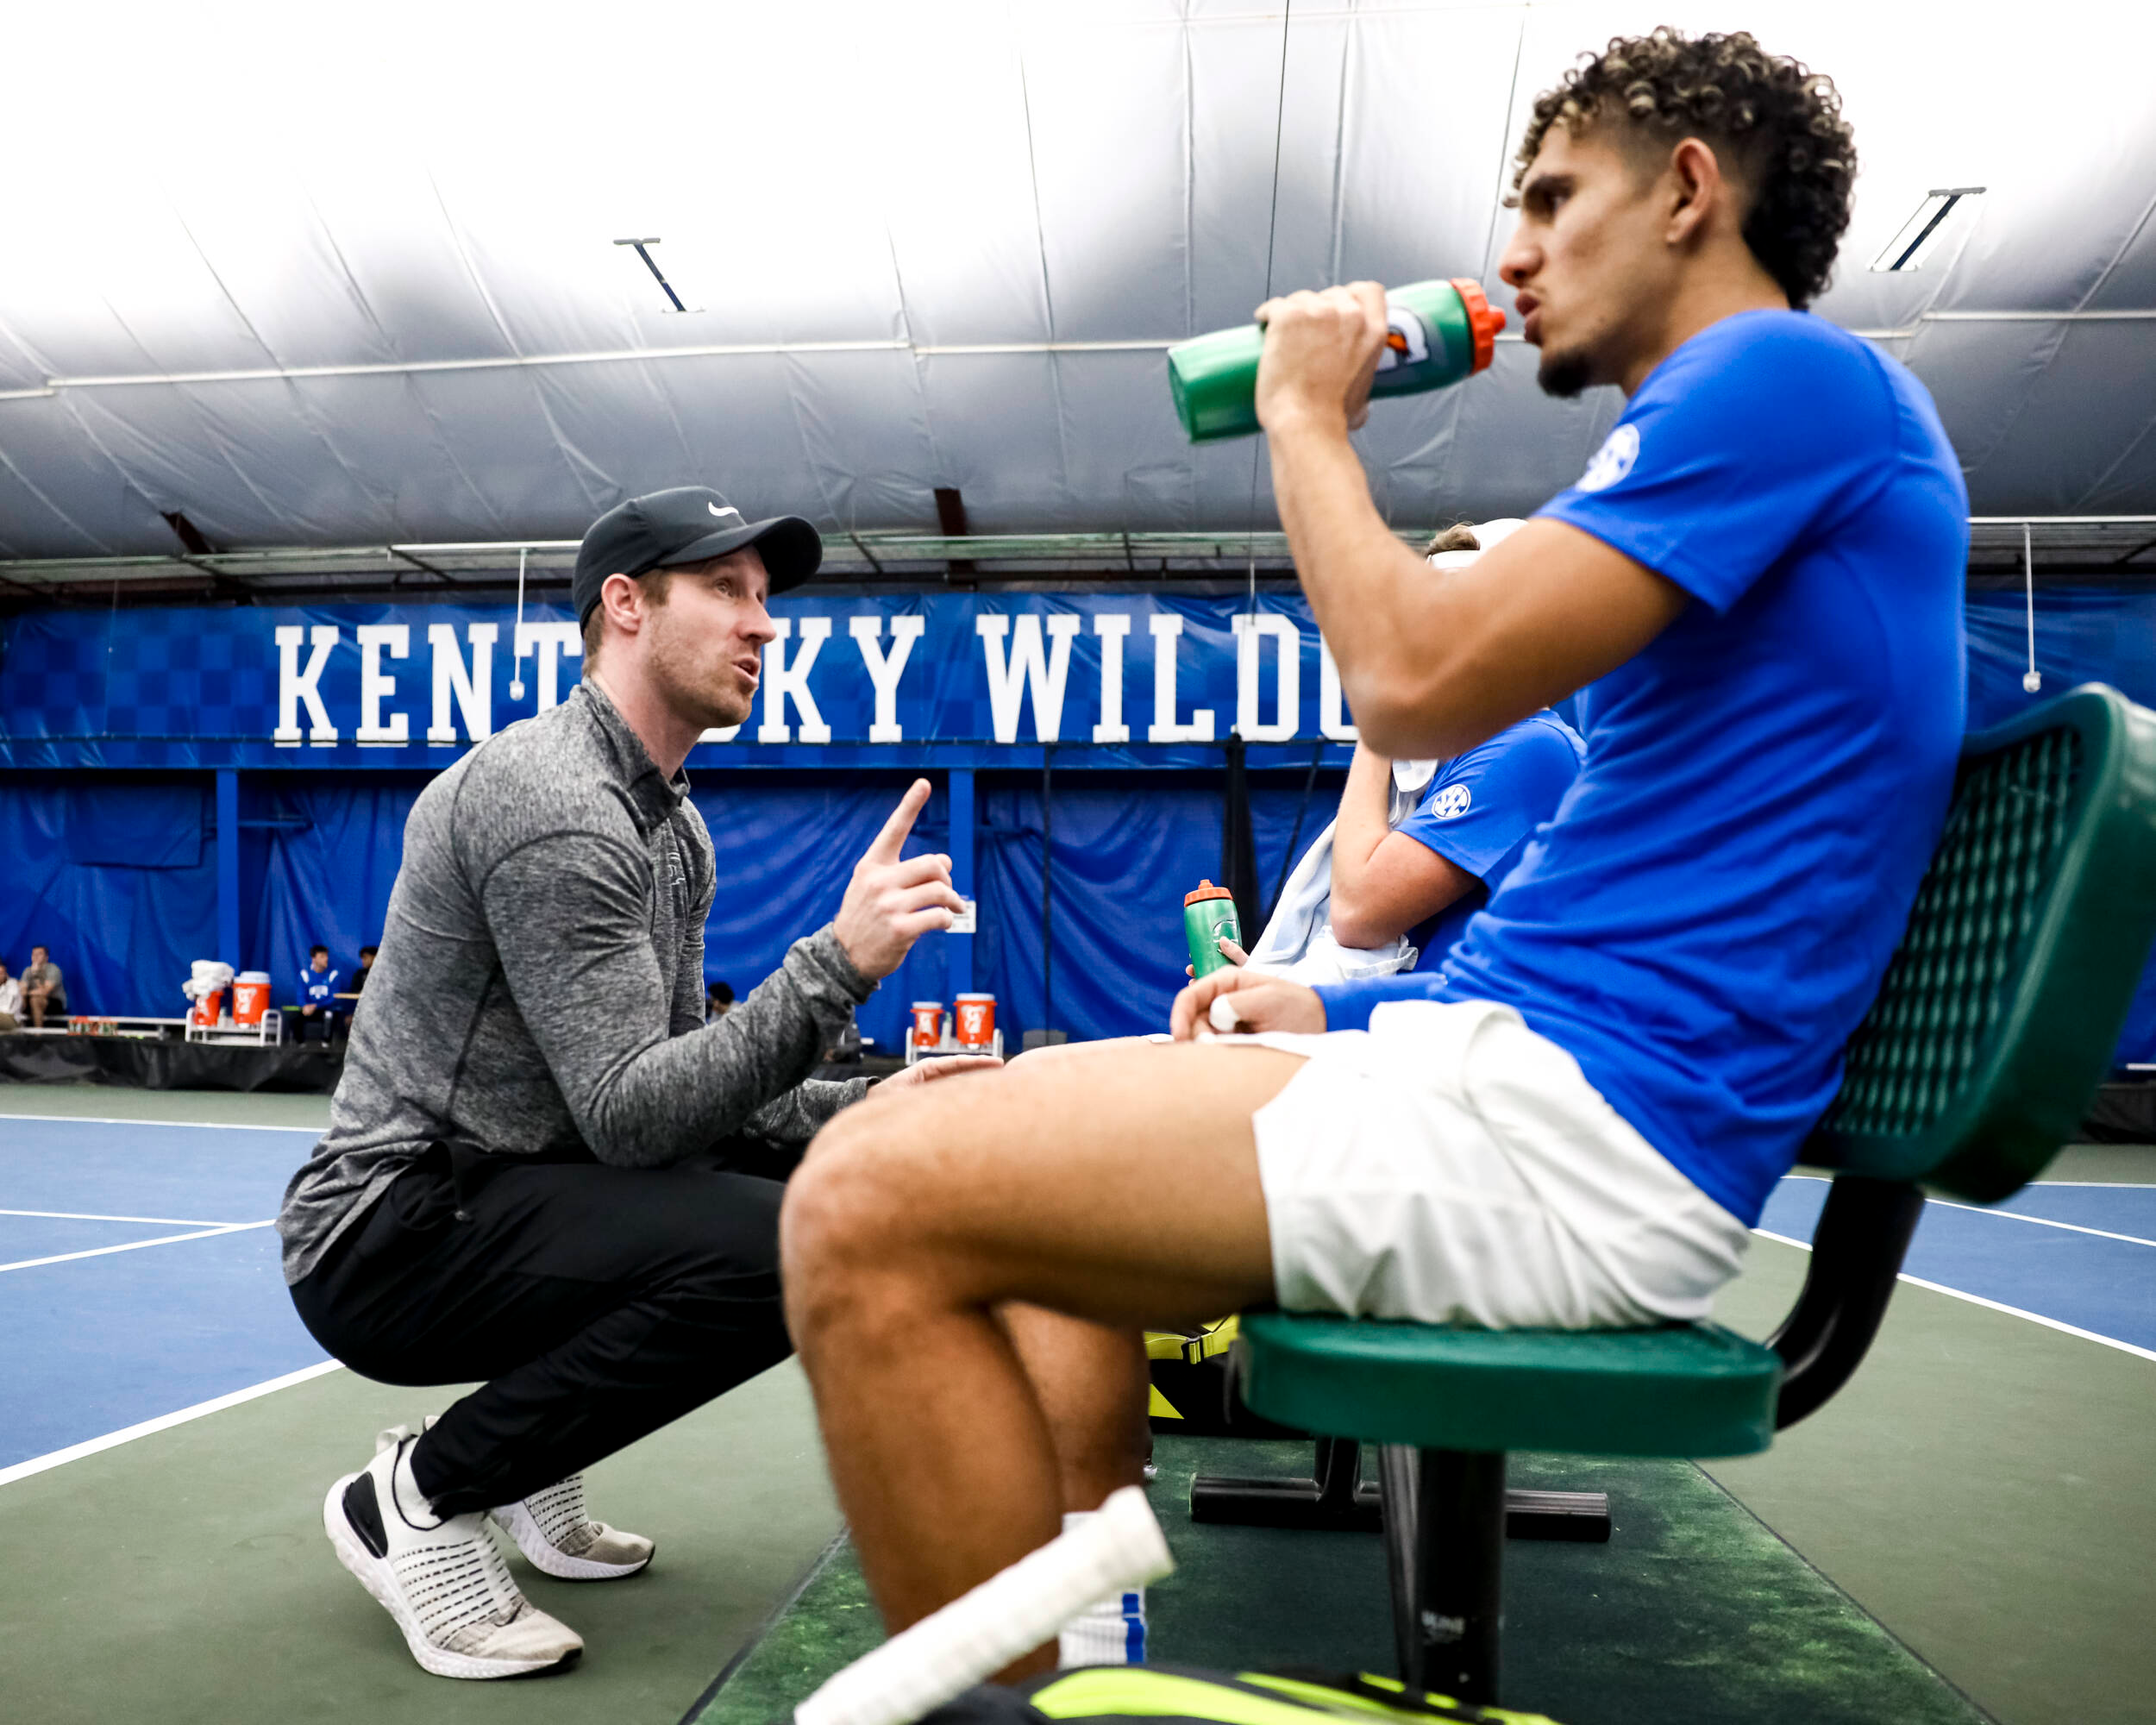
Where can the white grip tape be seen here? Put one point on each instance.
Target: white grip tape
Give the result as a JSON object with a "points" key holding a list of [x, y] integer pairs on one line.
{"points": [[1013, 1612]]}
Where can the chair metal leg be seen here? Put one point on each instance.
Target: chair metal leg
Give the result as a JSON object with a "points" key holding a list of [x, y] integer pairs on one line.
{"points": [[1332, 1498], [1399, 1472], [1329, 1498], [1444, 1543]]}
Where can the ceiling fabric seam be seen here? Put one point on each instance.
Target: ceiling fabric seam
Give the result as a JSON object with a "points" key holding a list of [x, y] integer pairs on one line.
{"points": [[366, 307], [1504, 145], [449, 454], [37, 491], [905, 323], [578, 466], [119, 467], [1349, 36], [2049, 350], [1272, 237], [383, 502], [1040, 239]]}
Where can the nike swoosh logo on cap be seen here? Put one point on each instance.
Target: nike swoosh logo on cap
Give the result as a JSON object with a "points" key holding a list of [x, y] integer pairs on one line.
{"points": [[723, 514]]}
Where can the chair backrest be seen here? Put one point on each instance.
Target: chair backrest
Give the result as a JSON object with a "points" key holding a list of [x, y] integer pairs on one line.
{"points": [[2000, 1010]]}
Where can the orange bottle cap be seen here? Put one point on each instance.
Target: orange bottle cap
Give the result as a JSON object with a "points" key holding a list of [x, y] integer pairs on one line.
{"points": [[1207, 890], [1484, 320]]}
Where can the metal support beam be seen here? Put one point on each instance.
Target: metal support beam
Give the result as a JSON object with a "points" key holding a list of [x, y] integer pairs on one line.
{"points": [[228, 867]]}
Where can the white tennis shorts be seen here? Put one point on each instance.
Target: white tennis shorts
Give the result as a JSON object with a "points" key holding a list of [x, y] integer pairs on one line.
{"points": [[1450, 1166]]}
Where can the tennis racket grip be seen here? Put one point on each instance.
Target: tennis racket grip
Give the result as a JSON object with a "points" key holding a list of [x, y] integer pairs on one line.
{"points": [[1009, 1614]]}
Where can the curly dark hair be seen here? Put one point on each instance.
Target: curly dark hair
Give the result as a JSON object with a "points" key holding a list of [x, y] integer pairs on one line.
{"points": [[1780, 122]]}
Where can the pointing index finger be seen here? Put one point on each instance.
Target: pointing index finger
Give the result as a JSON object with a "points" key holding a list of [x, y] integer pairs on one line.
{"points": [[892, 840]]}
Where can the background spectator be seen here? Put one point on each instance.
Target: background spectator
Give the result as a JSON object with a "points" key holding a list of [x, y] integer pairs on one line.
{"points": [[44, 991], [10, 1001], [317, 996], [718, 1000], [359, 977]]}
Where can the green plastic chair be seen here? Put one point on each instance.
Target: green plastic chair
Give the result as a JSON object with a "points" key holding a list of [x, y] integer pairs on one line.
{"points": [[1989, 1037]]}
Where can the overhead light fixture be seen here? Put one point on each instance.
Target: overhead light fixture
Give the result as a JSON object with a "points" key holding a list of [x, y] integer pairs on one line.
{"points": [[1920, 234], [642, 248]]}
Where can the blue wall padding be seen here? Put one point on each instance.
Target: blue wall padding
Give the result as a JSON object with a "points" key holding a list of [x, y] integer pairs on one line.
{"points": [[115, 870], [123, 935], [787, 844], [1127, 848]]}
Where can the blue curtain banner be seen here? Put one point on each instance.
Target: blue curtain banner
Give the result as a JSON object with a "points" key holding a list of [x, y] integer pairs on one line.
{"points": [[114, 870]]}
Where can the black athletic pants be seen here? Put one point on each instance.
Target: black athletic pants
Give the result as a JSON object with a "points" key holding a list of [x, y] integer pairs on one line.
{"points": [[598, 1303]]}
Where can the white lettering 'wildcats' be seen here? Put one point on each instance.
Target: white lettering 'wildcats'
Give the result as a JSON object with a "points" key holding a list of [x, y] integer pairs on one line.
{"points": [[1611, 462], [1451, 803]]}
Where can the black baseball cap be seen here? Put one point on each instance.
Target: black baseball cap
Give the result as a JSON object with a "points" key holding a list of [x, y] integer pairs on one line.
{"points": [[688, 524]]}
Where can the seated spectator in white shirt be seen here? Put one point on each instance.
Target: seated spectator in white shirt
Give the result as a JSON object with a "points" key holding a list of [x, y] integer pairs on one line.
{"points": [[10, 1001]]}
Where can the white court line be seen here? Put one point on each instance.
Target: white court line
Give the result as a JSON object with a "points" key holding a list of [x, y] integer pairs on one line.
{"points": [[81, 1216], [207, 1125], [128, 1434], [2011, 1215], [1990, 1305], [2041, 1222], [137, 1245], [2108, 1185]]}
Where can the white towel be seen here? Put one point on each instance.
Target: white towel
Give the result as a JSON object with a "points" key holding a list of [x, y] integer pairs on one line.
{"points": [[1298, 943]]}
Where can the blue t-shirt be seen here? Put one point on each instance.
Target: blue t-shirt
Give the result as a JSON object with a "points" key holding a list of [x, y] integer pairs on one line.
{"points": [[1480, 809], [1708, 916]]}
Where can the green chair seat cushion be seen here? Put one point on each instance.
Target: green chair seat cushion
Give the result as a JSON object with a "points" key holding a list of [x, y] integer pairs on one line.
{"points": [[1678, 1389]]}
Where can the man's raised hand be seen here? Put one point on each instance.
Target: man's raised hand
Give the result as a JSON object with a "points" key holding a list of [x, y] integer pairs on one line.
{"points": [[891, 902], [1320, 355]]}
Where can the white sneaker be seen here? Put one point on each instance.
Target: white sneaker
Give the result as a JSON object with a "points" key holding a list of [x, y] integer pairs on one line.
{"points": [[551, 1528], [442, 1579]]}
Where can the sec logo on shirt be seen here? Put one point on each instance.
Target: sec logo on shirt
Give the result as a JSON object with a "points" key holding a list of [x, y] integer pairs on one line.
{"points": [[1451, 803], [1611, 462]]}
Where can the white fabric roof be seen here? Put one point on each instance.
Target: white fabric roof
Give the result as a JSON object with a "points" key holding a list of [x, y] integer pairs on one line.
{"points": [[317, 278]]}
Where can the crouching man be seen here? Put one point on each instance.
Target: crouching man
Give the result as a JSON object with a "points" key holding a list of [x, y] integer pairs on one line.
{"points": [[534, 1173], [1756, 582]]}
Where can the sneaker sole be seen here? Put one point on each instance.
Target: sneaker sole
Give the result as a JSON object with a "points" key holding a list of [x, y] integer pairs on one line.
{"points": [[374, 1574], [516, 1522]]}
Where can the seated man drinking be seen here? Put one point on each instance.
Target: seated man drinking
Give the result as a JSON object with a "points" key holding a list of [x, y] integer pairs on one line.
{"points": [[1757, 583]]}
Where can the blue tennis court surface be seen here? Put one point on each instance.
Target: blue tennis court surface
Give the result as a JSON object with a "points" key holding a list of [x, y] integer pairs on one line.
{"points": [[2102, 1285], [144, 1280], [2116, 1209], [98, 1342]]}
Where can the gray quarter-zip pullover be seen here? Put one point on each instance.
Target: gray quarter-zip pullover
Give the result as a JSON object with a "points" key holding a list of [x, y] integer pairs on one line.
{"points": [[539, 984]]}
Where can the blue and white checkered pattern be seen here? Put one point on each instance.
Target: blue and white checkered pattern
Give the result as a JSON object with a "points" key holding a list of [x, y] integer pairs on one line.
{"points": [[203, 687]]}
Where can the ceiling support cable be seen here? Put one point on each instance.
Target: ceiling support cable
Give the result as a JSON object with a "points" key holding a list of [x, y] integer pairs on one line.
{"points": [[2032, 679]]}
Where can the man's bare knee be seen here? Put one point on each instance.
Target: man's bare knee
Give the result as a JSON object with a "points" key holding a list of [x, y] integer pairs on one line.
{"points": [[840, 1229]]}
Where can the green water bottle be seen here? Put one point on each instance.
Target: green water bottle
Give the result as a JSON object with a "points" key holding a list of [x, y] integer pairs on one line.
{"points": [[1208, 915], [1441, 332]]}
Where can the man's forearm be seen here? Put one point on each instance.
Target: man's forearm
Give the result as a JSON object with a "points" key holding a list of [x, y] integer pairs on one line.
{"points": [[1365, 801], [802, 1111], [1371, 595], [684, 1092]]}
